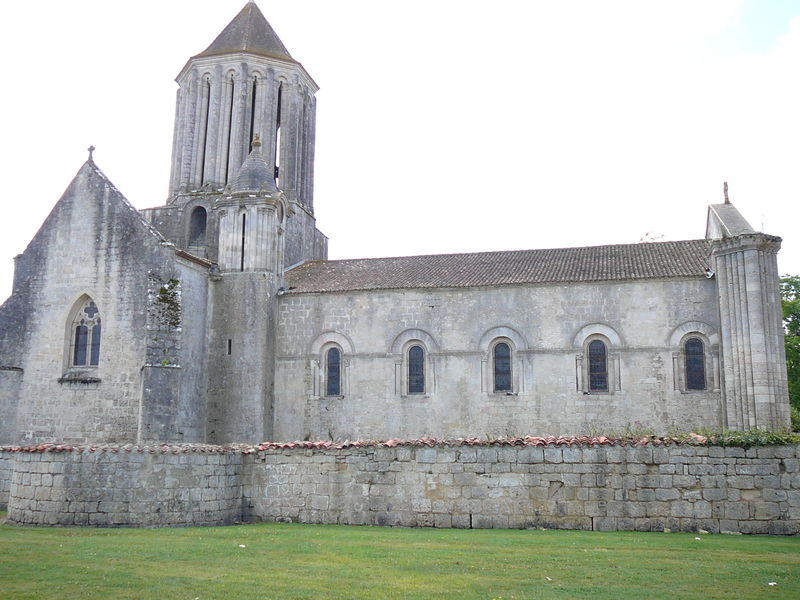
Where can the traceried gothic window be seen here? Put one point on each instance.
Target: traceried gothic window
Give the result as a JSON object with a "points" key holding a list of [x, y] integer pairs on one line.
{"points": [[416, 370], [85, 341], [333, 372], [598, 366], [501, 361], [694, 356]]}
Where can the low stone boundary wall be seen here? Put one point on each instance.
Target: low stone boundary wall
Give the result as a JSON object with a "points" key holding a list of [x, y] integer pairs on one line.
{"points": [[571, 486], [127, 486], [645, 488], [6, 467]]}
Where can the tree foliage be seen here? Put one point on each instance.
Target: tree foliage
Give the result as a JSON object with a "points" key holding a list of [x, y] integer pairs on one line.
{"points": [[790, 301]]}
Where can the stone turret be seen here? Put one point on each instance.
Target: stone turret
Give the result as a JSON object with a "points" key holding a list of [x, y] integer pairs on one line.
{"points": [[252, 213], [744, 262]]}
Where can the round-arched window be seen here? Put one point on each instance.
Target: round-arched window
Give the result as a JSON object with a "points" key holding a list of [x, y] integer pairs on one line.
{"points": [[197, 227]]}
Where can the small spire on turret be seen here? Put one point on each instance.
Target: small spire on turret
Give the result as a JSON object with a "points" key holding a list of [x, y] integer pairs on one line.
{"points": [[91, 151], [725, 191], [255, 175]]}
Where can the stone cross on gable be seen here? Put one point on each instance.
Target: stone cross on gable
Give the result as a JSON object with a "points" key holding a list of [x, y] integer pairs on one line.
{"points": [[91, 151]]}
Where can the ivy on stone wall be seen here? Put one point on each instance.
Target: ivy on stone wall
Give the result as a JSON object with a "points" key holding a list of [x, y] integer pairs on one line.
{"points": [[164, 314]]}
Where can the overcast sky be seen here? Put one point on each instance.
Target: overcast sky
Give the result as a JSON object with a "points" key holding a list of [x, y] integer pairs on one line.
{"points": [[442, 126]]}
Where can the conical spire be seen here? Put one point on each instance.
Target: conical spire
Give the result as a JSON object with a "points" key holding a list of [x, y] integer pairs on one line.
{"points": [[248, 32], [255, 175]]}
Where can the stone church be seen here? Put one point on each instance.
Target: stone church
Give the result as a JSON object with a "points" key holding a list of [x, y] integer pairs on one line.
{"points": [[218, 318]]}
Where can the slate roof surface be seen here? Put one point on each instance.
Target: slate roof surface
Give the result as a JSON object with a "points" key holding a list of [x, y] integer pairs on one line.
{"points": [[558, 265], [248, 32]]}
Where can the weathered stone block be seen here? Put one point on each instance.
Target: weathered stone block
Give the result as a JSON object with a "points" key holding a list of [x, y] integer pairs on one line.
{"points": [[553, 455], [667, 494], [681, 508], [530, 454], [766, 510]]}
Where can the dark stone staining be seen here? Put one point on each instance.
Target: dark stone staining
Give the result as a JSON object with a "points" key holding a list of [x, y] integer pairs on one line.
{"points": [[164, 314], [169, 298]]}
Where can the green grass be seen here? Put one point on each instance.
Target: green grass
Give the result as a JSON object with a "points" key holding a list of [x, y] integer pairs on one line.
{"points": [[320, 562]]}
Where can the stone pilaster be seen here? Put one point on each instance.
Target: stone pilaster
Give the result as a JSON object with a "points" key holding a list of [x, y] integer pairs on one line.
{"points": [[200, 123], [238, 122], [290, 129]]}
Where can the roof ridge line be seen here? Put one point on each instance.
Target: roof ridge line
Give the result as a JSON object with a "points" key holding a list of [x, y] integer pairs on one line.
{"points": [[520, 251]]}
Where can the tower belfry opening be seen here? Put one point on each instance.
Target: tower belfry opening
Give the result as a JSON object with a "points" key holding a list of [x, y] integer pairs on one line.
{"points": [[244, 83], [277, 141]]}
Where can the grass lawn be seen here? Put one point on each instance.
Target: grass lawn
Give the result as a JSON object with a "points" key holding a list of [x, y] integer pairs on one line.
{"points": [[320, 562]]}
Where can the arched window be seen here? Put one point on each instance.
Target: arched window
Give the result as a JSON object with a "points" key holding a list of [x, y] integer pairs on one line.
{"points": [[501, 358], [416, 370], [197, 227], [85, 340], [333, 372], [694, 354], [598, 366]]}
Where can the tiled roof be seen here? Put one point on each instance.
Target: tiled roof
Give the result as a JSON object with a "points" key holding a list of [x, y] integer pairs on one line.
{"points": [[558, 265]]}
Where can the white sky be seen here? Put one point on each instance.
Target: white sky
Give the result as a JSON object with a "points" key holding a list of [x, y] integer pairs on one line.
{"points": [[443, 125]]}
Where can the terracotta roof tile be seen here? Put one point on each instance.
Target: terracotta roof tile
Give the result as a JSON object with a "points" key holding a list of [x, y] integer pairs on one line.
{"points": [[558, 265]]}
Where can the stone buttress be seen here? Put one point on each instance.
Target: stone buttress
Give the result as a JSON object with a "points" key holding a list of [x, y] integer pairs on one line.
{"points": [[753, 353]]}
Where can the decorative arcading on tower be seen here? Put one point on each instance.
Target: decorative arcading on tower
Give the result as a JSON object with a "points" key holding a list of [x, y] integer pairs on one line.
{"points": [[244, 83], [753, 354]]}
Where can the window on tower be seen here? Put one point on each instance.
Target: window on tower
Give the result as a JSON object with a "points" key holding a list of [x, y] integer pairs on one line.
{"points": [[197, 227]]}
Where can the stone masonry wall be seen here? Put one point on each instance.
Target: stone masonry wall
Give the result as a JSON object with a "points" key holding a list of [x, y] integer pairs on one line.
{"points": [[127, 486], [569, 486], [645, 488], [546, 326], [6, 468]]}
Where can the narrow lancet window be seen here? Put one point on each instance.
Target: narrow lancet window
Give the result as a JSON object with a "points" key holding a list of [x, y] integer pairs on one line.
{"points": [[232, 96], [416, 370], [695, 364], [502, 367], [252, 113], [244, 232], [598, 367], [206, 97], [277, 157], [333, 372], [81, 342], [94, 359], [86, 332]]}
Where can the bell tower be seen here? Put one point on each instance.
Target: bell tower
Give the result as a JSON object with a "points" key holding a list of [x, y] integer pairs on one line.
{"points": [[241, 194], [244, 86], [245, 83]]}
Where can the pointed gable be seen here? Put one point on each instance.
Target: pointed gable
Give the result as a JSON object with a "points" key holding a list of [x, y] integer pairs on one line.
{"points": [[91, 194], [724, 220], [248, 32], [91, 226]]}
